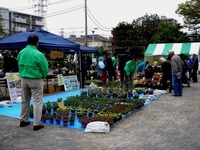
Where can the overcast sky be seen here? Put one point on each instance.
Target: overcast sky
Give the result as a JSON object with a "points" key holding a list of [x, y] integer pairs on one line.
{"points": [[103, 14]]}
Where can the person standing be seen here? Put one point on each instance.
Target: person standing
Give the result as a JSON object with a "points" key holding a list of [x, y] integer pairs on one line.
{"points": [[166, 74], [101, 59], [122, 62], [114, 61], [195, 68], [14, 63], [176, 66], [7, 61], [109, 67], [131, 68], [33, 68]]}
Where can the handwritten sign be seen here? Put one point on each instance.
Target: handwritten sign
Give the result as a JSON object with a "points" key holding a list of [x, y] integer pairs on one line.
{"points": [[56, 54]]}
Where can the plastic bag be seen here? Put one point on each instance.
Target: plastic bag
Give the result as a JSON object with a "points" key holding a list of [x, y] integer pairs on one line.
{"points": [[93, 86], [101, 65], [98, 126], [5, 104]]}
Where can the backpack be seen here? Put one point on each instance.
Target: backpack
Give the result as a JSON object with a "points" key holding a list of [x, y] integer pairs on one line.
{"points": [[190, 63]]}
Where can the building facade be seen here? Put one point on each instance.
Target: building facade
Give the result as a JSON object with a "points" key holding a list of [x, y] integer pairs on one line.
{"points": [[92, 41], [14, 22], [169, 20]]}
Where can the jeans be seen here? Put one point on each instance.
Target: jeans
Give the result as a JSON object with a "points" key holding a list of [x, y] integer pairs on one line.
{"points": [[177, 85]]}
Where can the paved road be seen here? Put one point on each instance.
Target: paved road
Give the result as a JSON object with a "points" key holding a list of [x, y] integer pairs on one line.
{"points": [[168, 123]]}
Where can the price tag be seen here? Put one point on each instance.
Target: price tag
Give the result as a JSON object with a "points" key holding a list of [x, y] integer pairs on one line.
{"points": [[61, 105]]}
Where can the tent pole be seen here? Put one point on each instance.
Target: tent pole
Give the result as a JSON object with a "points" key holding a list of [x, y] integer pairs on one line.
{"points": [[80, 68]]}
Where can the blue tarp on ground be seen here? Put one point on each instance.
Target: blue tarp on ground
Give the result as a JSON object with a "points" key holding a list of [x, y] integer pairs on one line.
{"points": [[47, 40], [14, 110]]}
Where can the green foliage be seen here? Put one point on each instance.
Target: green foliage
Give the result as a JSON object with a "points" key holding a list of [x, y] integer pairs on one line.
{"points": [[145, 28], [190, 12], [122, 34], [138, 33], [168, 33]]}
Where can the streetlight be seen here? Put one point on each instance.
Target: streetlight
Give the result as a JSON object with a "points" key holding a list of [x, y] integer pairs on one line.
{"points": [[93, 31]]}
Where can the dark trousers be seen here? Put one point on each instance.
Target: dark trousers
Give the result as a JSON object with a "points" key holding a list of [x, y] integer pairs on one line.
{"points": [[194, 76]]}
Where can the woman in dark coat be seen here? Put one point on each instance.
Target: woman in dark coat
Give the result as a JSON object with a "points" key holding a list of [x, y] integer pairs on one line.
{"points": [[166, 74]]}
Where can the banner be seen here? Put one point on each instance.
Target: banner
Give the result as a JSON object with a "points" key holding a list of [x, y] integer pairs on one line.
{"points": [[56, 54], [71, 83], [14, 85]]}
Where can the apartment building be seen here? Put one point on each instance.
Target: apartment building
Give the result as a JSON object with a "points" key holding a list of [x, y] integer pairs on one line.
{"points": [[14, 22], [169, 20]]}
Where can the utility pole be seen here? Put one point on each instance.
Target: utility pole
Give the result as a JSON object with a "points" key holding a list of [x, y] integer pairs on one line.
{"points": [[62, 32], [86, 38], [39, 6]]}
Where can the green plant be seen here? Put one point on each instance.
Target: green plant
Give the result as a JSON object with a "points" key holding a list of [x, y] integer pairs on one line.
{"points": [[48, 106], [55, 105], [72, 118], [44, 109]]}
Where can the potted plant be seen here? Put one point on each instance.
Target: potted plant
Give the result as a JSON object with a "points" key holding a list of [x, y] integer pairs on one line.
{"points": [[65, 121], [51, 118], [71, 119], [55, 106], [58, 119], [84, 121], [44, 109], [48, 107], [44, 118]]}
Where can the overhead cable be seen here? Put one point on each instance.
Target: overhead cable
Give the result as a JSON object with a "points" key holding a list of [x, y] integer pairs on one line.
{"points": [[97, 20]]}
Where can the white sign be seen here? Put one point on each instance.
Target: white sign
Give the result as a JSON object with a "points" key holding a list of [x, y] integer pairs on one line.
{"points": [[71, 83], [60, 79], [14, 86]]}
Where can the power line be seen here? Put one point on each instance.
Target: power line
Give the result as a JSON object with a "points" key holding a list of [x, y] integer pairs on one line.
{"points": [[56, 14], [28, 7], [66, 10], [97, 20], [97, 24]]}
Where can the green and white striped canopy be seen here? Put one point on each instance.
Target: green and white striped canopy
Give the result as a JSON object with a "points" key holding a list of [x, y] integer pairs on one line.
{"points": [[178, 48]]}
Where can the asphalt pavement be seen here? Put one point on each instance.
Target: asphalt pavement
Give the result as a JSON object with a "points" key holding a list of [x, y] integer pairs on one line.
{"points": [[168, 123]]}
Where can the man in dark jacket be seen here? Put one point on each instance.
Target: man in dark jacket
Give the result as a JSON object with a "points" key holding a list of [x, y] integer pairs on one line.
{"points": [[195, 68], [7, 60], [109, 67]]}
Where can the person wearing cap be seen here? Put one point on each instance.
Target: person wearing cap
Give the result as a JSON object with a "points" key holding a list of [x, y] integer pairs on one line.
{"points": [[176, 67], [33, 68]]}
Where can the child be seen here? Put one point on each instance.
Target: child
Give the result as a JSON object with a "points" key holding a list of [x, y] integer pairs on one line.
{"points": [[103, 76]]}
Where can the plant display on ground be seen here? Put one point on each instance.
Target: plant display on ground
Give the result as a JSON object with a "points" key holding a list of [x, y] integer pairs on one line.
{"points": [[110, 104]]}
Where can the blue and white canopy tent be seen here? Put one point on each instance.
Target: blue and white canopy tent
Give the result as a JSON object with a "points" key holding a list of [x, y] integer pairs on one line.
{"points": [[154, 51]]}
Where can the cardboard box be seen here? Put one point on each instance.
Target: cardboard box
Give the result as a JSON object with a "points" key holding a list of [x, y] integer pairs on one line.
{"points": [[53, 88]]}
